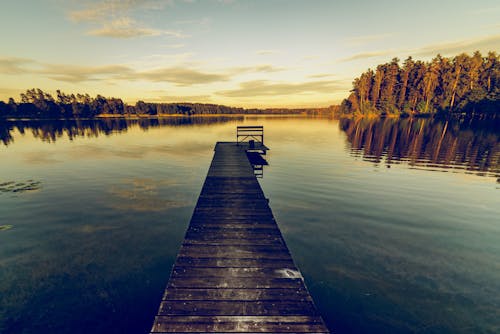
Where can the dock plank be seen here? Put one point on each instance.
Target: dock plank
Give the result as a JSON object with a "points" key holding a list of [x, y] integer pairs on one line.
{"points": [[234, 272]]}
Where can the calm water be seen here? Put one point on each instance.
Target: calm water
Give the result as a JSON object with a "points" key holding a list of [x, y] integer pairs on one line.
{"points": [[394, 224]]}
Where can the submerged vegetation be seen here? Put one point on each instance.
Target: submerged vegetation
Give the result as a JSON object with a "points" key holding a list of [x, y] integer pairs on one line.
{"points": [[462, 84], [19, 187]]}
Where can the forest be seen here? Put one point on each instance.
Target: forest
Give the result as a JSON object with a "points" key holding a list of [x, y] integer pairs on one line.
{"points": [[37, 104], [462, 84]]}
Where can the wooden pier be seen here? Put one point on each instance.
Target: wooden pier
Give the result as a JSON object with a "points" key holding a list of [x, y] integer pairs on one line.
{"points": [[234, 272]]}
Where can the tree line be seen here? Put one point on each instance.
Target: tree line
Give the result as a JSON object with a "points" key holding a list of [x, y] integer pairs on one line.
{"points": [[35, 103], [462, 84]]}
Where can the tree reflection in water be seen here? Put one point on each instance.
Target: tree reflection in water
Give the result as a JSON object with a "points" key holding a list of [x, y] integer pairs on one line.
{"points": [[51, 130], [471, 145]]}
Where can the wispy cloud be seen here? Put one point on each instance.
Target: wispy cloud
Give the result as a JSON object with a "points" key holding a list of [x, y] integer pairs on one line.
{"points": [[184, 98], [177, 75], [14, 65], [365, 55], [181, 76], [266, 52], [113, 18], [321, 75], [123, 28], [366, 39], [75, 74], [266, 88], [454, 47], [266, 68], [445, 48]]}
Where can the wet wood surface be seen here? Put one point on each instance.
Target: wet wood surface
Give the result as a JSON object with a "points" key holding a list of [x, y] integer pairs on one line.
{"points": [[234, 272]]}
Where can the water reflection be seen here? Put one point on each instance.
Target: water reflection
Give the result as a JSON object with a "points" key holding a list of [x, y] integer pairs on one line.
{"points": [[413, 252], [469, 145], [142, 194], [51, 130]]}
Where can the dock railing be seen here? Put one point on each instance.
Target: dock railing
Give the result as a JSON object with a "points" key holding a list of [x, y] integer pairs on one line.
{"points": [[251, 134]]}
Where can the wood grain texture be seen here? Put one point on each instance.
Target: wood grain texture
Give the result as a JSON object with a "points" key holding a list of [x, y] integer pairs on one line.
{"points": [[234, 272]]}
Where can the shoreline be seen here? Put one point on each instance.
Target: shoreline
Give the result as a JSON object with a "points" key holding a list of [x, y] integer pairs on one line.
{"points": [[256, 115], [147, 116]]}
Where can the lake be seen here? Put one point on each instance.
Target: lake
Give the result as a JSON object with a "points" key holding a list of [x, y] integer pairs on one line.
{"points": [[393, 223]]}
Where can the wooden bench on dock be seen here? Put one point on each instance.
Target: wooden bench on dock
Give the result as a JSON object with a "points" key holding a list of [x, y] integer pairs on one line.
{"points": [[234, 272]]}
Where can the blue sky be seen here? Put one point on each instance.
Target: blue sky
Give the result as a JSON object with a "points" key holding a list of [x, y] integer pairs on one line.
{"points": [[237, 52]]}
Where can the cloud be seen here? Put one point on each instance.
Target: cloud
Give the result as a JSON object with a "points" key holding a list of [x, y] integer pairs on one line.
{"points": [[266, 52], [14, 65], [178, 75], [320, 75], [182, 76], [266, 88], [364, 55], [455, 47], [266, 68], [74, 74], [123, 28], [445, 48], [97, 11], [113, 18], [361, 40], [184, 98]]}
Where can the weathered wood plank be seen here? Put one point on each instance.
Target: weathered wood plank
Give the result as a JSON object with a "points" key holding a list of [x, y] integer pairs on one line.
{"points": [[233, 282], [233, 242], [232, 262], [270, 324], [231, 225], [294, 294], [210, 307], [217, 233], [236, 251], [234, 272]]}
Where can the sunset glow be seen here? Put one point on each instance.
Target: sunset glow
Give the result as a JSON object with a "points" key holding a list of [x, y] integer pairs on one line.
{"points": [[269, 53]]}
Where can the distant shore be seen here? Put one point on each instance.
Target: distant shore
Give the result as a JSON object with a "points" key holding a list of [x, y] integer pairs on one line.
{"points": [[250, 115]]}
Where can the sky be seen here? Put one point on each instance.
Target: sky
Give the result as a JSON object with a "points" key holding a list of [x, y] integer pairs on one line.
{"points": [[246, 53]]}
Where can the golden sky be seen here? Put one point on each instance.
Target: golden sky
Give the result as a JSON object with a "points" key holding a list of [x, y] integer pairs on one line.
{"points": [[250, 53]]}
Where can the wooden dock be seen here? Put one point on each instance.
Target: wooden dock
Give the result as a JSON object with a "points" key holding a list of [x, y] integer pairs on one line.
{"points": [[234, 272]]}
